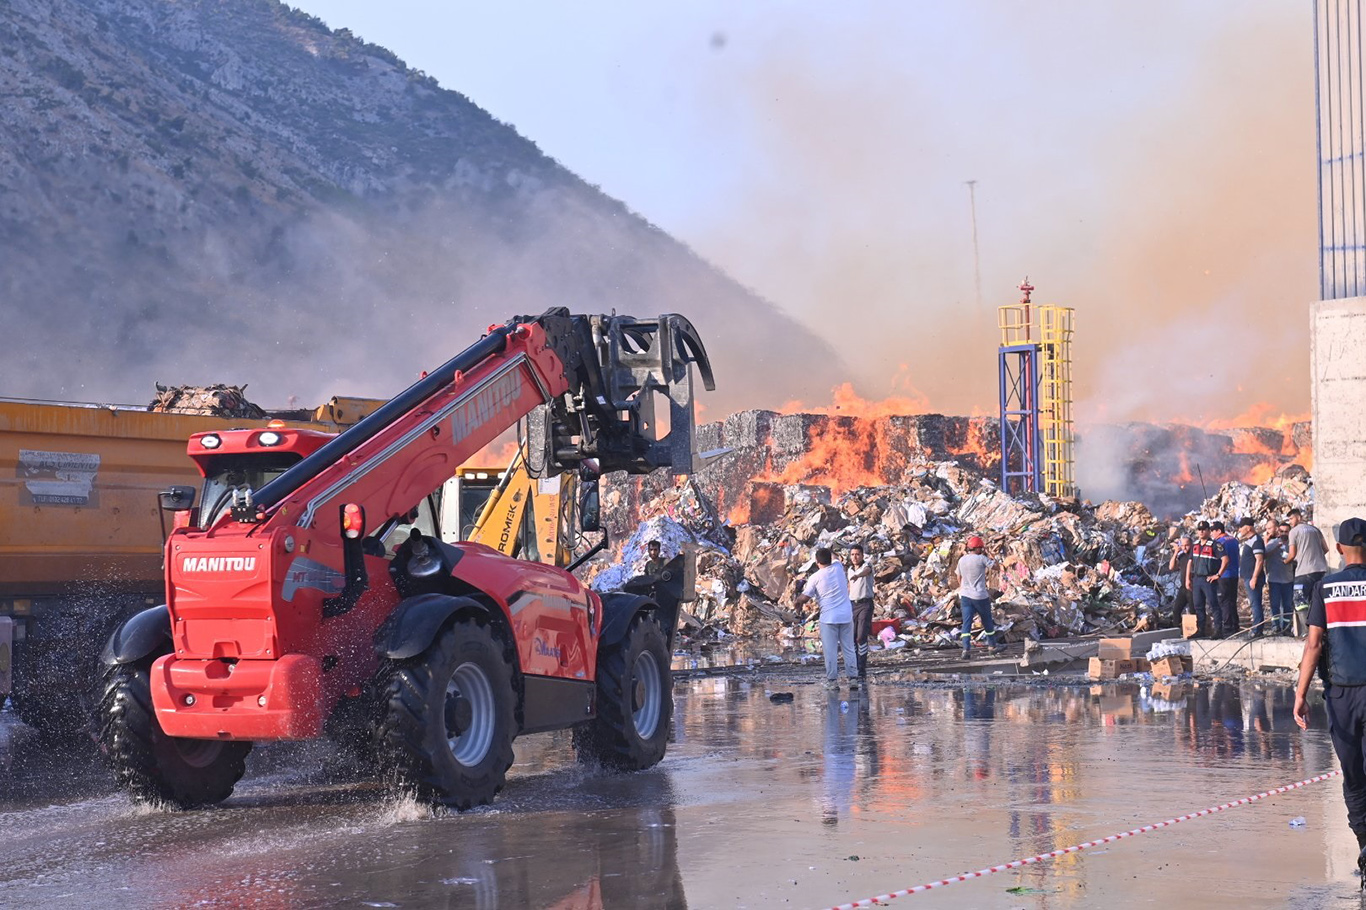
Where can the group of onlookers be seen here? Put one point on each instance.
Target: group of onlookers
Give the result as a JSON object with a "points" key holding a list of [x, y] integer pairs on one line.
{"points": [[1279, 566]]}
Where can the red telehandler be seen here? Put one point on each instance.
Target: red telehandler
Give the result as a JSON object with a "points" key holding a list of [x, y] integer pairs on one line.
{"points": [[310, 593]]}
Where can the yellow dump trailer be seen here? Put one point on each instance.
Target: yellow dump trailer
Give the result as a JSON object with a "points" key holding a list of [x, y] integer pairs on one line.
{"points": [[80, 533]]}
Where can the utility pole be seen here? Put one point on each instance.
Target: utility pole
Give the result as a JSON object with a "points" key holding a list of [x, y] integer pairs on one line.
{"points": [[976, 251]]}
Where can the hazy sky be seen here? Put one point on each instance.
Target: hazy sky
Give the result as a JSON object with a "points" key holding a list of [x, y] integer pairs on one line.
{"points": [[1150, 164]]}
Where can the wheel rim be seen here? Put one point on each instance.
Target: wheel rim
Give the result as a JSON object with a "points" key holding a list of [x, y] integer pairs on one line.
{"points": [[197, 753], [647, 695], [470, 714]]}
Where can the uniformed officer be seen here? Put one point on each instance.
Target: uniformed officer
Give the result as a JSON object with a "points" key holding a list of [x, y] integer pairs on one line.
{"points": [[1208, 562], [1336, 646]]}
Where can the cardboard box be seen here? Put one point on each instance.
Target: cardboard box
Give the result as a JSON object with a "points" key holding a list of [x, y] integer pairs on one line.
{"points": [[1115, 649], [1190, 625], [1141, 665], [1110, 669], [1171, 666], [1171, 691]]}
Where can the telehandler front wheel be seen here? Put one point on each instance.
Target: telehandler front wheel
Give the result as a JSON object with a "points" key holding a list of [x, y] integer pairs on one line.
{"points": [[154, 767], [635, 701], [449, 718]]}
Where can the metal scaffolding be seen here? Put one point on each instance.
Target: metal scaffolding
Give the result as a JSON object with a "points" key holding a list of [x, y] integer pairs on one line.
{"points": [[1018, 360], [1035, 363]]}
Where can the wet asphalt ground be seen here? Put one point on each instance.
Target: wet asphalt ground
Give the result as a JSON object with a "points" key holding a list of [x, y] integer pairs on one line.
{"points": [[826, 799]]}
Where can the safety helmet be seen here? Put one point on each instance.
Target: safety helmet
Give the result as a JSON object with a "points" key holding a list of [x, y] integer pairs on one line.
{"points": [[976, 543]]}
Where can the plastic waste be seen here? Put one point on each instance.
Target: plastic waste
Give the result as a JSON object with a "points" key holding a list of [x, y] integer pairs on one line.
{"points": [[1298, 822]]}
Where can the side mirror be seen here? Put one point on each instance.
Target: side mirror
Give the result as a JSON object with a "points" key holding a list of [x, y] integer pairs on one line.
{"points": [[590, 507], [176, 498]]}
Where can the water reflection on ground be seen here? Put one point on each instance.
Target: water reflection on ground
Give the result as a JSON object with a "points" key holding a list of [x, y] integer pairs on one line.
{"points": [[827, 798]]}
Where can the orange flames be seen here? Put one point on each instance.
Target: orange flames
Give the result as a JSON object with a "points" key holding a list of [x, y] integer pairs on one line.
{"points": [[906, 399], [1262, 431], [1259, 415]]}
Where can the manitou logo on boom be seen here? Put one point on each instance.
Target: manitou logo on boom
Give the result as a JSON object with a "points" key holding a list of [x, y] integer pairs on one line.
{"points": [[218, 564], [488, 403]]}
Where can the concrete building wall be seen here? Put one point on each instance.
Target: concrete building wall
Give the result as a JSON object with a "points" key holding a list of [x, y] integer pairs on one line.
{"points": [[1338, 365]]}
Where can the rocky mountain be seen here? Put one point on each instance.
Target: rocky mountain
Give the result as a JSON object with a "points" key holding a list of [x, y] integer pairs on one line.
{"points": [[204, 191]]}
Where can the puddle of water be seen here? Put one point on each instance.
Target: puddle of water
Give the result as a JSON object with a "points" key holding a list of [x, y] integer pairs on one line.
{"points": [[826, 798]]}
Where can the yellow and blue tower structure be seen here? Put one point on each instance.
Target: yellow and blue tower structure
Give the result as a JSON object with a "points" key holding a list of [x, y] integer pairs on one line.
{"points": [[1035, 365]]}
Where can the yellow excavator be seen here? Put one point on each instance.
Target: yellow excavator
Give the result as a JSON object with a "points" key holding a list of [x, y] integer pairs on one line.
{"points": [[520, 515]]}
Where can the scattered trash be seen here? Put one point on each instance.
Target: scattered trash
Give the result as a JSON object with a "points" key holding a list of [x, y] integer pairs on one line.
{"points": [[1298, 822], [1064, 567]]}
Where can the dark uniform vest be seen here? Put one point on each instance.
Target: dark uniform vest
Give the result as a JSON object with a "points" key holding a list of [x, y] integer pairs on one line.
{"points": [[1344, 602], [1205, 558]]}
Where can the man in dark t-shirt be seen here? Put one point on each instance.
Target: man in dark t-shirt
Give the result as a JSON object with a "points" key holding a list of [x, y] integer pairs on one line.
{"points": [[1336, 648], [1228, 579], [1252, 571]]}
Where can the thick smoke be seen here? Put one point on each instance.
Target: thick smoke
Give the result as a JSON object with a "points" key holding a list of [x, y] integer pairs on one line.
{"points": [[1150, 165]]}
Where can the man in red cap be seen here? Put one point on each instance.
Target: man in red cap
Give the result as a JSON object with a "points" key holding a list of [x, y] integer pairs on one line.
{"points": [[1336, 647], [973, 596]]}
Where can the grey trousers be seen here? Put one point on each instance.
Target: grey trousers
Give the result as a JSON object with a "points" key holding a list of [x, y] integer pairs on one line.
{"points": [[838, 636]]}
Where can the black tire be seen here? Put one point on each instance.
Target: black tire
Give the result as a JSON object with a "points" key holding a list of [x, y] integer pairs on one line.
{"points": [[448, 718], [154, 767], [635, 701]]}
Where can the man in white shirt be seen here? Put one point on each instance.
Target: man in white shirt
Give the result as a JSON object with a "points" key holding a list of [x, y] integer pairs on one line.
{"points": [[973, 595], [861, 596], [829, 588]]}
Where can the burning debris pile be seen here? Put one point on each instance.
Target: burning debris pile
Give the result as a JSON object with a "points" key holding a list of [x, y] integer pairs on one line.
{"points": [[1172, 468], [1064, 567]]}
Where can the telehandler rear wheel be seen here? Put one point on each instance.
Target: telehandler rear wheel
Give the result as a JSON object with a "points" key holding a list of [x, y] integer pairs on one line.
{"points": [[635, 701], [154, 767], [448, 718]]}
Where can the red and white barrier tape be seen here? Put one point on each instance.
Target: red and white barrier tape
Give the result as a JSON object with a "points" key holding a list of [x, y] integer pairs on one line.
{"points": [[968, 876]]}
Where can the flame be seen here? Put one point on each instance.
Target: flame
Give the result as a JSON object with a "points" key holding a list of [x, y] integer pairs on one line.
{"points": [[1247, 441], [1185, 475], [905, 399], [497, 454], [1261, 473], [842, 457], [975, 444], [1259, 415]]}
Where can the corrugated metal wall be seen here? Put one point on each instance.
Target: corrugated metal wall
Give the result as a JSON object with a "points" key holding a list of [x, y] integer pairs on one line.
{"points": [[1338, 32]]}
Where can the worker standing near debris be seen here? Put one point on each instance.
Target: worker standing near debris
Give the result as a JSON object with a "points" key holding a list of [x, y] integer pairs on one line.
{"points": [[1179, 563], [829, 588], [654, 559], [861, 596], [1336, 647], [1307, 550], [1228, 578], [974, 596], [1252, 571], [1280, 579], [1208, 562]]}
